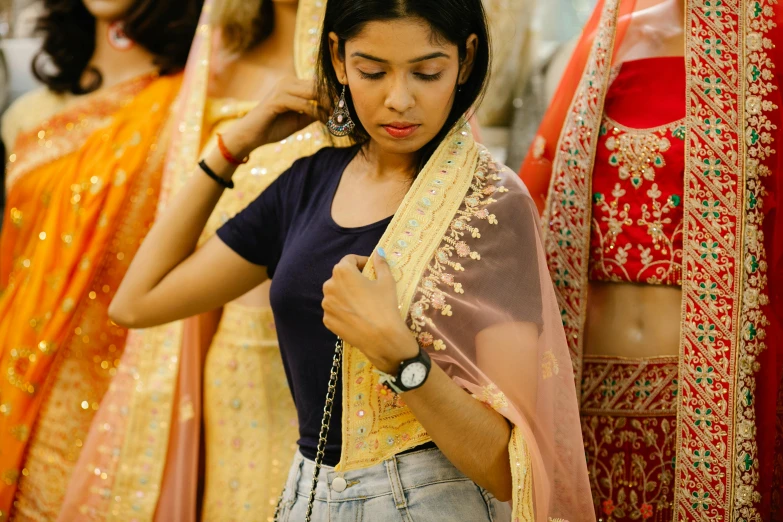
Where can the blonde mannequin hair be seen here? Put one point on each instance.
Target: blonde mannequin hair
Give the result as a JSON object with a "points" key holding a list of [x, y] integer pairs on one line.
{"points": [[241, 23]]}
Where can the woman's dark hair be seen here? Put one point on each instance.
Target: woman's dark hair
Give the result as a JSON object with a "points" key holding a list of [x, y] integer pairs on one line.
{"points": [[163, 27], [451, 20]]}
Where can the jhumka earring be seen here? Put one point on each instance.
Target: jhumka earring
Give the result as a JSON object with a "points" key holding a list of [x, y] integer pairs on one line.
{"points": [[341, 124]]}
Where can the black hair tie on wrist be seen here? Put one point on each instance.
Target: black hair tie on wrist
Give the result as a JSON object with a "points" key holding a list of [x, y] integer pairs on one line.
{"points": [[211, 173]]}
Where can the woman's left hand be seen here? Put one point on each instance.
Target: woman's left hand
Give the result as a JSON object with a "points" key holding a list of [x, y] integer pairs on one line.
{"points": [[365, 313]]}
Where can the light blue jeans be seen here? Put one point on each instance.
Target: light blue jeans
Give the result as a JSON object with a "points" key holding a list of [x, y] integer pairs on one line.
{"points": [[421, 486]]}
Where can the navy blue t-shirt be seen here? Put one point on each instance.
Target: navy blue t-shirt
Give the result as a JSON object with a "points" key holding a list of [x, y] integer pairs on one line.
{"points": [[289, 229]]}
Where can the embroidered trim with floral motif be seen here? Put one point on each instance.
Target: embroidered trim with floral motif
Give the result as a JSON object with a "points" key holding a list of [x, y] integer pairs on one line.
{"points": [[567, 214], [638, 387], [759, 148], [371, 433], [443, 268], [521, 478], [720, 40]]}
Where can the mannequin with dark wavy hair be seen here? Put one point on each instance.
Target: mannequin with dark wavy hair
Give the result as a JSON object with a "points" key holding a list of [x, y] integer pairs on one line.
{"points": [[83, 177], [70, 27]]}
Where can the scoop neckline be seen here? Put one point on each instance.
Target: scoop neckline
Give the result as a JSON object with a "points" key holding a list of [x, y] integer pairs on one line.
{"points": [[333, 192]]}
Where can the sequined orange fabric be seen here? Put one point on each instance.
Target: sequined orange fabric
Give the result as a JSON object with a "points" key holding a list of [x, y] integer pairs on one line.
{"points": [[82, 190]]}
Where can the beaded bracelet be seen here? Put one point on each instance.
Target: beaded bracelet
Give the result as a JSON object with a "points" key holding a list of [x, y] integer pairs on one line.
{"points": [[227, 153], [229, 184]]}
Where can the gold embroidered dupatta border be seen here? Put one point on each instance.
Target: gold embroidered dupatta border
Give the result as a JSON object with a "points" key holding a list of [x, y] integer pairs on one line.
{"points": [[371, 435], [724, 262]]}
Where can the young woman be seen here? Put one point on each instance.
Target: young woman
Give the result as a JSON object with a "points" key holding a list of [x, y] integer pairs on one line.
{"points": [[659, 156], [457, 279], [84, 171]]}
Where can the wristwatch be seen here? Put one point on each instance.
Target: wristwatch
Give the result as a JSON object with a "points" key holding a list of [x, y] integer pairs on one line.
{"points": [[413, 373]]}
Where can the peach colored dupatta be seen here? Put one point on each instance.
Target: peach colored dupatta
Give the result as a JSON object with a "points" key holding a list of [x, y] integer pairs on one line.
{"points": [[473, 286]]}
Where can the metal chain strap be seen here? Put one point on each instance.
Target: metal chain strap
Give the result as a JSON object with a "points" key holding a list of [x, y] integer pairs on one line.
{"points": [[276, 516], [327, 418]]}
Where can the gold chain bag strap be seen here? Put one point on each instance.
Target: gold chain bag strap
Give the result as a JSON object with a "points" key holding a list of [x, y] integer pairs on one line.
{"points": [[325, 421]]}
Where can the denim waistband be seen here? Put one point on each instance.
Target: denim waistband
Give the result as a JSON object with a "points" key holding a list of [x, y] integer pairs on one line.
{"points": [[394, 476]]}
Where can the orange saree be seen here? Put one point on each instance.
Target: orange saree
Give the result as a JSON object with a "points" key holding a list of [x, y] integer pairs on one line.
{"points": [[82, 189]]}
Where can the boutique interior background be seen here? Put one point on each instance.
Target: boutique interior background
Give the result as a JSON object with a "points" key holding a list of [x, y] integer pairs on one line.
{"points": [[17, 47], [531, 41]]}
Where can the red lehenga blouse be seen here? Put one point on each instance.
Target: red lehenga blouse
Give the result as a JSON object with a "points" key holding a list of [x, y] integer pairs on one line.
{"points": [[636, 232]]}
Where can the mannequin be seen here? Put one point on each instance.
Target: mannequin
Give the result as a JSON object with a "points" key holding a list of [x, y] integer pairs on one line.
{"points": [[82, 145]]}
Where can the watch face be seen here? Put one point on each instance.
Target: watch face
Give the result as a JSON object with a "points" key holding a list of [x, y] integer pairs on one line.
{"points": [[413, 375]]}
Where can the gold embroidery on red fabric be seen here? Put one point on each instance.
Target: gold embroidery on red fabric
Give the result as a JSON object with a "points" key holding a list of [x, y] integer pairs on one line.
{"points": [[637, 153], [568, 210], [757, 89], [628, 421]]}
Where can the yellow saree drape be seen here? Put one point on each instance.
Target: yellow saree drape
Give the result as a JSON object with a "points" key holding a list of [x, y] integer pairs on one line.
{"points": [[82, 189]]}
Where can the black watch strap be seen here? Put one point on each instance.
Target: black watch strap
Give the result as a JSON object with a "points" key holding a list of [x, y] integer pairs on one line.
{"points": [[422, 359]]}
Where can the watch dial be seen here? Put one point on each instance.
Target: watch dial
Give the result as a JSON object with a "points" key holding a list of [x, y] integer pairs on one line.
{"points": [[413, 375]]}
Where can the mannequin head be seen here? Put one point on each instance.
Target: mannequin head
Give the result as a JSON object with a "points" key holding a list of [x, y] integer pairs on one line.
{"points": [[243, 24], [164, 28], [109, 10]]}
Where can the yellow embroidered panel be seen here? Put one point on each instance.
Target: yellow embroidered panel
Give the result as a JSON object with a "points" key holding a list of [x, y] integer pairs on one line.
{"points": [[374, 427]]}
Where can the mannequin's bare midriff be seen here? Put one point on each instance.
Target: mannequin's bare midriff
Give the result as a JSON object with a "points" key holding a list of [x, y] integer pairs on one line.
{"points": [[252, 76], [634, 320]]}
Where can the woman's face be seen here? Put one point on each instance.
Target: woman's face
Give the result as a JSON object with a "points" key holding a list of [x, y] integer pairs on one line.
{"points": [[108, 10], [402, 78]]}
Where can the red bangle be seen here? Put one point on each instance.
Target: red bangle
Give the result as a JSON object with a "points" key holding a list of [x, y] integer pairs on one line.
{"points": [[227, 154]]}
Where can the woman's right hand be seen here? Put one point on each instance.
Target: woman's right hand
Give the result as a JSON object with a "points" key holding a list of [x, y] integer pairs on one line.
{"points": [[289, 107]]}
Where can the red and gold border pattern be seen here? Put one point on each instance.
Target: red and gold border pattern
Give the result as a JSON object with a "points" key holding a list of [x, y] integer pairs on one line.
{"points": [[758, 149], [728, 139], [711, 262], [567, 236]]}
